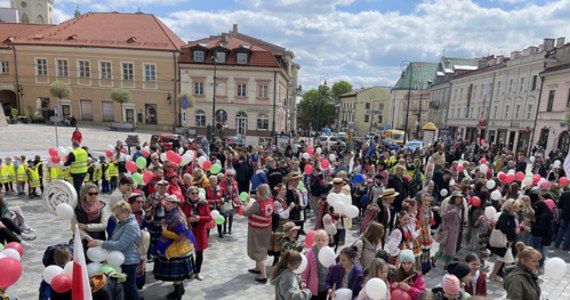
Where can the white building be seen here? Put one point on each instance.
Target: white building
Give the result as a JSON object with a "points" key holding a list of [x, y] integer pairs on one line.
{"points": [[34, 11]]}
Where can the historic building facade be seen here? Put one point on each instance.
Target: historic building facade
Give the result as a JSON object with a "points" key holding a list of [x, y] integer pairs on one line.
{"points": [[366, 109]]}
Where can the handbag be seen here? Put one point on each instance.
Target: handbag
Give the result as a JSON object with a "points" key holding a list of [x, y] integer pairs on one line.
{"points": [[498, 239], [440, 236], [227, 206]]}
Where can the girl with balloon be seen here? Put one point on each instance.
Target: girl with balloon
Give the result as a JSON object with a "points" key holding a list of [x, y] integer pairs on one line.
{"points": [[285, 280], [315, 274], [406, 281], [376, 286]]}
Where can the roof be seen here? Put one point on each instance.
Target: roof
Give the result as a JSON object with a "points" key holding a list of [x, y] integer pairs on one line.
{"points": [[354, 92], [110, 30], [14, 32], [417, 74], [260, 55], [482, 70]]}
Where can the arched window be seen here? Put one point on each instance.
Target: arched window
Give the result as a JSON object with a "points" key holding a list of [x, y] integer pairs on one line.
{"points": [[564, 141], [40, 19], [25, 19], [200, 118], [262, 122], [241, 123]]}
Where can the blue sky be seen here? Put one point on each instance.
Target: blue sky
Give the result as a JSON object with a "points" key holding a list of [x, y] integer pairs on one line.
{"points": [[361, 41]]}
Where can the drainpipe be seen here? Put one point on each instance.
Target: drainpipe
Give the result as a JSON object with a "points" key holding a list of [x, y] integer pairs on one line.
{"points": [[18, 104], [486, 137], [541, 75], [274, 104], [175, 89]]}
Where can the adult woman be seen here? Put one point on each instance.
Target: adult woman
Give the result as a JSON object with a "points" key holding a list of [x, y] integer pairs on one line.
{"points": [[542, 228], [368, 244], [173, 187], [122, 192], [9, 231], [231, 200], [507, 224], [259, 215], [91, 214], [198, 213], [451, 217], [345, 274], [124, 239], [136, 201], [174, 260], [215, 198], [522, 282]]}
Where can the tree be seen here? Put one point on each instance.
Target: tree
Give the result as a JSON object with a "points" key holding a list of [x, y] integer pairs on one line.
{"points": [[317, 108], [121, 96], [567, 117], [59, 89], [339, 88]]}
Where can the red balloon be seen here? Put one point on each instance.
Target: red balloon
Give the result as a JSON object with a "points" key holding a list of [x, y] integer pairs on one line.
{"points": [[308, 169], [177, 159], [52, 151], [535, 178], [519, 176], [145, 153], [207, 165], [483, 161], [510, 178], [400, 295], [549, 203], [310, 238], [109, 153], [459, 168], [502, 176], [123, 151], [16, 246], [55, 159], [310, 150], [482, 141], [170, 154], [147, 177], [61, 283], [325, 164], [476, 201], [563, 181], [131, 166], [11, 272]]}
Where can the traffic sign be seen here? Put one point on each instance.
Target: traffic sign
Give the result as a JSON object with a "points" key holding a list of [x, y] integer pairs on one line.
{"points": [[378, 112], [184, 102]]}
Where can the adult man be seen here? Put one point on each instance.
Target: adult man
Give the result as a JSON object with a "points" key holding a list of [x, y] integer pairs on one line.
{"points": [[399, 183], [76, 136], [77, 160], [243, 170]]}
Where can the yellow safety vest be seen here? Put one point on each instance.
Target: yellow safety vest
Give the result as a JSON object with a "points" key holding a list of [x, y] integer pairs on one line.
{"points": [[113, 170], [105, 167], [55, 174], [21, 173], [79, 165], [86, 179], [40, 166], [67, 176], [3, 174], [10, 173], [34, 178], [97, 174]]}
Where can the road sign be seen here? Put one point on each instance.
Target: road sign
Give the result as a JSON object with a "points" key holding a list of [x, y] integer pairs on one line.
{"points": [[221, 116], [378, 112], [184, 102]]}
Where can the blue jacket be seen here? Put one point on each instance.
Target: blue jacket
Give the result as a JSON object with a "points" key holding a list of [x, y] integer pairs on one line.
{"points": [[125, 238], [355, 279], [257, 179]]}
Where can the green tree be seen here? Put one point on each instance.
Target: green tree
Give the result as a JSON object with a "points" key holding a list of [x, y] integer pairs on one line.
{"points": [[121, 96], [59, 89], [567, 117], [339, 88], [317, 108]]}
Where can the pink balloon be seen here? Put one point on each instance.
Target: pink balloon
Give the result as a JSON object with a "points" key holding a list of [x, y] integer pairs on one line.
{"points": [[325, 164], [535, 178], [207, 165], [502, 177], [549, 203], [459, 168], [310, 150], [510, 178], [11, 272], [109, 153], [545, 184], [55, 159], [147, 177], [563, 181], [400, 295], [170, 154], [483, 161], [16, 246], [519, 176], [61, 283], [123, 151], [131, 166], [310, 238], [308, 169], [52, 151], [177, 159], [476, 201], [145, 153]]}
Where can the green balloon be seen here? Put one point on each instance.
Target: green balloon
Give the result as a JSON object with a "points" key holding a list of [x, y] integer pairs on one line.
{"points": [[467, 295], [138, 178], [243, 196], [107, 268], [141, 162], [220, 220], [1, 246], [215, 169], [301, 185], [202, 191]]}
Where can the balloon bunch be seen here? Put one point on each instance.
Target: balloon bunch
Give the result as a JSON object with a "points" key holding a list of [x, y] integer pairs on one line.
{"points": [[10, 256], [58, 155], [103, 261]]}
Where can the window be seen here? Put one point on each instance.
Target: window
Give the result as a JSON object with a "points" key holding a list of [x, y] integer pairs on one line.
{"points": [[510, 86], [241, 58], [241, 90], [220, 57], [517, 111], [4, 67], [366, 118], [471, 112], [367, 105], [529, 112], [498, 87], [507, 108], [521, 85], [150, 113], [198, 88], [381, 106], [453, 112], [534, 81], [41, 67], [262, 122], [262, 91], [200, 118], [550, 101], [62, 68], [241, 123], [495, 112], [128, 71], [106, 70], [84, 69], [198, 56], [149, 72]]}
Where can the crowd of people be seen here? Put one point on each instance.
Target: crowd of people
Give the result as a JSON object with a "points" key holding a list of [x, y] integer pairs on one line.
{"points": [[485, 199]]}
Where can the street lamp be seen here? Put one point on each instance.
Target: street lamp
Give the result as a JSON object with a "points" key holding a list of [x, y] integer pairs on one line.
{"points": [[404, 66], [212, 125], [323, 79], [420, 110]]}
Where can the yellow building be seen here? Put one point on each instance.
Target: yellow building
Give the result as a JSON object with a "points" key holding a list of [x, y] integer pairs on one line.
{"points": [[95, 53], [367, 109]]}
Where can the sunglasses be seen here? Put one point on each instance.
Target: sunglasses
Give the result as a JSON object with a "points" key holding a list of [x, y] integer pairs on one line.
{"points": [[194, 193], [93, 194]]}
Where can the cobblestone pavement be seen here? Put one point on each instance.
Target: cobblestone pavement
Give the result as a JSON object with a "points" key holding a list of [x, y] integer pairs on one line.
{"points": [[225, 262]]}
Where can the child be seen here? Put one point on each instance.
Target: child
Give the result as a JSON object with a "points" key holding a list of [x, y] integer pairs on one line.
{"points": [[336, 277], [411, 207], [449, 290], [285, 281], [33, 179], [478, 280], [58, 255], [378, 269], [315, 274], [427, 295], [401, 238], [462, 272], [289, 241], [484, 225], [406, 278], [105, 185], [425, 220]]}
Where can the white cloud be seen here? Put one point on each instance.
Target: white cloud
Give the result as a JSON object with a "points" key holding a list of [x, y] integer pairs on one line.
{"points": [[116, 5]]}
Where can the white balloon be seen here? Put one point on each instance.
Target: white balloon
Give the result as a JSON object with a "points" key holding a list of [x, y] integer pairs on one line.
{"points": [[532, 159], [2, 255], [352, 212], [186, 159], [97, 165], [557, 163], [68, 149], [163, 157], [301, 268], [50, 272], [327, 256], [555, 268], [527, 181], [511, 171], [376, 289], [180, 150], [332, 198], [191, 154], [443, 192], [483, 168], [346, 199], [491, 184], [319, 150], [496, 195], [201, 160], [68, 269], [306, 155], [497, 216], [94, 268], [332, 157], [451, 182], [215, 214], [61, 154], [339, 207], [110, 147], [116, 258], [12, 253], [64, 211], [343, 294], [490, 212], [97, 254]]}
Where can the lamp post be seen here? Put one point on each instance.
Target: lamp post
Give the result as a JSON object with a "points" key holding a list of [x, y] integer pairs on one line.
{"points": [[420, 110], [322, 80], [213, 126], [404, 66]]}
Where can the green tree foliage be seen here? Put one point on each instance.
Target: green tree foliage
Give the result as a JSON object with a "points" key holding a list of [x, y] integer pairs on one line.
{"points": [[60, 89], [121, 96], [339, 88], [317, 108], [567, 118]]}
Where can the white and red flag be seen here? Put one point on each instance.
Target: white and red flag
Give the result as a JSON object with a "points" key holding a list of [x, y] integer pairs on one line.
{"points": [[80, 288]]}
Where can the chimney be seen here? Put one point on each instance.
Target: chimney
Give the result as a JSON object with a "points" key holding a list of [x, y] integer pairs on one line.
{"points": [[482, 63], [548, 44], [515, 55], [235, 28], [499, 59], [560, 42], [533, 50]]}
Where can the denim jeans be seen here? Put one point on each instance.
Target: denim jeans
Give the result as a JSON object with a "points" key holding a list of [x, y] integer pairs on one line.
{"points": [[536, 243], [45, 291], [563, 233], [130, 285]]}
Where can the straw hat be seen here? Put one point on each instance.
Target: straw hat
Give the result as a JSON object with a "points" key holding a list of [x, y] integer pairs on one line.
{"points": [[390, 193]]}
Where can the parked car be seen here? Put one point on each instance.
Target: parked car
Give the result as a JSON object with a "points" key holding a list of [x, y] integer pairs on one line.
{"points": [[327, 141], [165, 140], [415, 144]]}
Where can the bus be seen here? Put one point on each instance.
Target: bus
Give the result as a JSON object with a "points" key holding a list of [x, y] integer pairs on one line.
{"points": [[396, 135]]}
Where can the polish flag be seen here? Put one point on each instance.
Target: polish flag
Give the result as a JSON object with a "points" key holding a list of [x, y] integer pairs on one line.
{"points": [[80, 288]]}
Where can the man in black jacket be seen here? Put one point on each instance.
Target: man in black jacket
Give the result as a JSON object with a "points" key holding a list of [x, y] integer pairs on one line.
{"points": [[244, 171], [400, 184], [564, 230]]}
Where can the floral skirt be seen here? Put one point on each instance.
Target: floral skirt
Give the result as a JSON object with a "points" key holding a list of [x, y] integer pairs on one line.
{"points": [[174, 269]]}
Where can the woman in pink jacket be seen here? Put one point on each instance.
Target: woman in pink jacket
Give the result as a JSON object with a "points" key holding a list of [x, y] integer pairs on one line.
{"points": [[315, 274]]}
